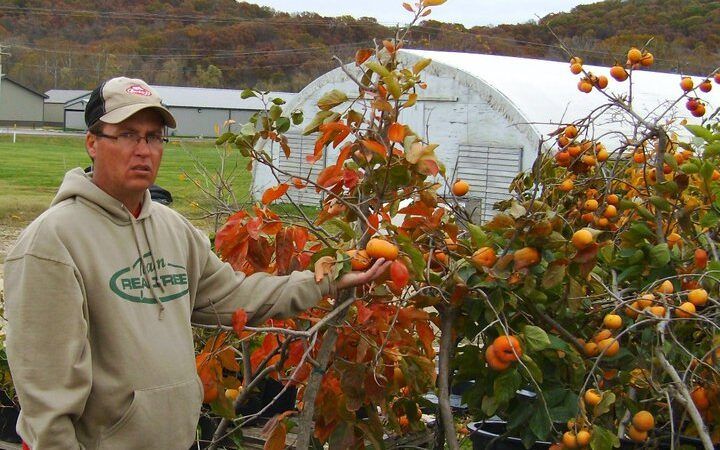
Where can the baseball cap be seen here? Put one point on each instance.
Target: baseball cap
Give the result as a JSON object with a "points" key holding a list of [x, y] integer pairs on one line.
{"points": [[119, 98]]}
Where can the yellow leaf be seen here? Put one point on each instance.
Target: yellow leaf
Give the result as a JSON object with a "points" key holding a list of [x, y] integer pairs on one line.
{"points": [[324, 266], [433, 2]]}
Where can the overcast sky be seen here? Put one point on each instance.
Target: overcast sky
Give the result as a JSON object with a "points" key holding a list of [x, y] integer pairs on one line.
{"points": [[467, 12]]}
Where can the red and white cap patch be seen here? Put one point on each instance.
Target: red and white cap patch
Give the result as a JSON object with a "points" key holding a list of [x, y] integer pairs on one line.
{"points": [[136, 89]]}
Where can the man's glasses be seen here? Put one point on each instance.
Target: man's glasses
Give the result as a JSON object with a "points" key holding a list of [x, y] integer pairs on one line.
{"points": [[130, 139]]}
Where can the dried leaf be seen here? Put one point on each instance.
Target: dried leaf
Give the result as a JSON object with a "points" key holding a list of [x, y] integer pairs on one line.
{"points": [[331, 99], [408, 7], [324, 266]]}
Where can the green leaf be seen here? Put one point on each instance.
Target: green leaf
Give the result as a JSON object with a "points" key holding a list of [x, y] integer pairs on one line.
{"points": [[700, 132], [282, 124], [296, 117], [689, 168], [477, 236], [603, 439], [248, 129], [225, 137], [377, 68], [670, 161], [536, 338], [505, 386], [275, 112], [712, 150], [540, 423], [332, 99], [667, 187], [645, 214], [660, 255], [347, 231], [554, 275], [608, 399], [247, 93], [416, 257], [706, 171], [327, 251], [533, 368], [709, 220], [223, 407], [630, 273], [489, 405], [393, 86], [278, 101]]}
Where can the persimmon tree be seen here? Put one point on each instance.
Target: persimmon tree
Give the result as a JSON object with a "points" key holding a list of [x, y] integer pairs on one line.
{"points": [[608, 275], [362, 360]]}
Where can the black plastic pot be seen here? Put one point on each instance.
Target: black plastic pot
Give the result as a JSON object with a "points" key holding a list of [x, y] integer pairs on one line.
{"points": [[8, 420], [484, 436]]}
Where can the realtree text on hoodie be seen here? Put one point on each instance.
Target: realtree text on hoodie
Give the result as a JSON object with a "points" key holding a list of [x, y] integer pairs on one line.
{"points": [[99, 306]]}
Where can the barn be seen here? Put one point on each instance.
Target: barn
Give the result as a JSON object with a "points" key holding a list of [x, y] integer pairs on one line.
{"points": [[488, 114], [197, 110], [54, 106], [19, 104]]}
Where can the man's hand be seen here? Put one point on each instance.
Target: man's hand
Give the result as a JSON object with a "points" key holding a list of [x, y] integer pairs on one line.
{"points": [[353, 279]]}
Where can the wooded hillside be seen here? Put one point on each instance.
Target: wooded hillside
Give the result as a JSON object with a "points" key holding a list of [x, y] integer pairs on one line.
{"points": [[223, 43]]}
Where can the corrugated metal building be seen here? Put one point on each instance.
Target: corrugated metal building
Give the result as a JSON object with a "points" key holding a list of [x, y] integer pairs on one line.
{"points": [[20, 105], [487, 113], [54, 107], [197, 110]]}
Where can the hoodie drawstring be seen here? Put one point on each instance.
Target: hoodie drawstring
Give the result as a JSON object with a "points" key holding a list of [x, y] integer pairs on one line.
{"points": [[145, 272]]}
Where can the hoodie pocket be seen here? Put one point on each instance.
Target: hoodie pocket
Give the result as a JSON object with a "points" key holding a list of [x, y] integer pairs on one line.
{"points": [[164, 417]]}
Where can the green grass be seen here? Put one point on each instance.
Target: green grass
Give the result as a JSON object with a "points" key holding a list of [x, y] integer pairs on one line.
{"points": [[32, 168]]}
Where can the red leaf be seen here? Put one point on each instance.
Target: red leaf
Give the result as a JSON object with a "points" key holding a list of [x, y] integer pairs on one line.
{"points": [[396, 132], [253, 227], [417, 209], [363, 313], [298, 183], [274, 193], [285, 146], [375, 146], [426, 337], [329, 176], [362, 55], [350, 178], [259, 254], [239, 319], [428, 166], [344, 154], [283, 251], [300, 236], [373, 223], [399, 274]]}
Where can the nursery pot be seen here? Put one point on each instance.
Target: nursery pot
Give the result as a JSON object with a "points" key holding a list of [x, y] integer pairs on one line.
{"points": [[485, 436]]}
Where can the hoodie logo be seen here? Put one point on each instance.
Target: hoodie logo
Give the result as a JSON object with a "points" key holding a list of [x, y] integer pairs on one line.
{"points": [[138, 282]]}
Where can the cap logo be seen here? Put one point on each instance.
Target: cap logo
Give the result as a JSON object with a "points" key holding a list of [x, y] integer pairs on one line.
{"points": [[138, 90]]}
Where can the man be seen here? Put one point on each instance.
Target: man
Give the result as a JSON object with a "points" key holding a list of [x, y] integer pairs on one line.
{"points": [[100, 291]]}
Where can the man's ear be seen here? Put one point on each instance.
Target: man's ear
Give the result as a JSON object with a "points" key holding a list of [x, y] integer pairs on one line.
{"points": [[90, 145]]}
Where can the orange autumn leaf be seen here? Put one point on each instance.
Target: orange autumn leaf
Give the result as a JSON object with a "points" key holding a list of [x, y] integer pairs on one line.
{"points": [[298, 183], [396, 132], [329, 176], [274, 193]]}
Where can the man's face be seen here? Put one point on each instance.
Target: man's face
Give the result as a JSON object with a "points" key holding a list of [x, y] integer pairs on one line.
{"points": [[125, 170]]}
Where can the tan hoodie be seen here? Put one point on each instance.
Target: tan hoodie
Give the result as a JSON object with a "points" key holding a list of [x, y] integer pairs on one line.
{"points": [[99, 306]]}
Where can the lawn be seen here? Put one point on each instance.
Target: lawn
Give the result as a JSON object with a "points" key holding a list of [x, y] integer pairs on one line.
{"points": [[33, 167]]}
